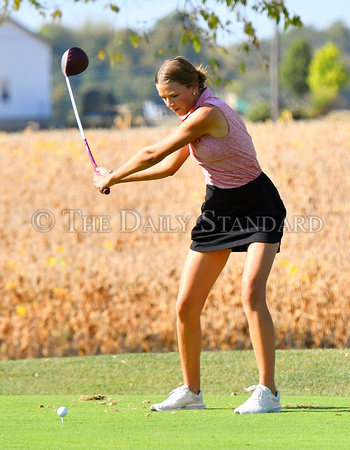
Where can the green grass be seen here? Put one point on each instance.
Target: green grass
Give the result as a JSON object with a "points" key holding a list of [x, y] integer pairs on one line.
{"points": [[298, 372], [314, 385], [130, 424]]}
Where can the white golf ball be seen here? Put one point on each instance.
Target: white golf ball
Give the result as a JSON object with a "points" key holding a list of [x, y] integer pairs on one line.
{"points": [[62, 411]]}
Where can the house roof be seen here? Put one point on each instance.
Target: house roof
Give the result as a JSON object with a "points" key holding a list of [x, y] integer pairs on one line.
{"points": [[23, 28]]}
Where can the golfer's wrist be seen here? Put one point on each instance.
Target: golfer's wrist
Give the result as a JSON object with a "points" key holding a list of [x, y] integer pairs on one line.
{"points": [[113, 176]]}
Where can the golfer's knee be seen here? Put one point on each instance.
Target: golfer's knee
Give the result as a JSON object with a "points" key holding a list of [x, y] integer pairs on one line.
{"points": [[253, 294], [186, 309]]}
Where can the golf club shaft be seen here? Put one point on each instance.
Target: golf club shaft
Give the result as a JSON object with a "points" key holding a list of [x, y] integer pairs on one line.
{"points": [[77, 118]]}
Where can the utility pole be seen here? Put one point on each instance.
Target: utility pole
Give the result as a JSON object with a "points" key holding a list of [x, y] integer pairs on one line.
{"points": [[274, 76]]}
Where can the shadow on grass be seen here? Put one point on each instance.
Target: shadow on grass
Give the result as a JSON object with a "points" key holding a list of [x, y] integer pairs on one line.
{"points": [[315, 408], [294, 408]]}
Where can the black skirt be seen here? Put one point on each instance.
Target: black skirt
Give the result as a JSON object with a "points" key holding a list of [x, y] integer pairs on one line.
{"points": [[234, 218]]}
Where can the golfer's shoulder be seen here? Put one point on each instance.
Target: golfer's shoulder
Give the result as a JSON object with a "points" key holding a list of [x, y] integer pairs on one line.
{"points": [[210, 117], [207, 113]]}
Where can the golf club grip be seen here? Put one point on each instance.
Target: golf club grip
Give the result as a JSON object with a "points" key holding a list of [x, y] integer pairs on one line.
{"points": [[106, 190]]}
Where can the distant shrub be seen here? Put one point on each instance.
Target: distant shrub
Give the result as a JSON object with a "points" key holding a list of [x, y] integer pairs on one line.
{"points": [[323, 100], [296, 113], [300, 113], [327, 76], [295, 67], [259, 112]]}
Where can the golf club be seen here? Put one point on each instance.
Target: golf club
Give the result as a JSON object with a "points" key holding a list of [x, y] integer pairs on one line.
{"points": [[74, 61]]}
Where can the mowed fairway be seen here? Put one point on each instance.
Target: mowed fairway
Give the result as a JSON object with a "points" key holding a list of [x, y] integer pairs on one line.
{"points": [[109, 398], [305, 423]]}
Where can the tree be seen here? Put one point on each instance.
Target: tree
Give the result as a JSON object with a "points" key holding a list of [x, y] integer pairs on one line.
{"points": [[130, 82], [339, 34], [295, 67], [327, 76], [200, 21]]}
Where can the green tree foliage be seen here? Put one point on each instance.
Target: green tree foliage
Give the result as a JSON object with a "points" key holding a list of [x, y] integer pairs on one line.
{"points": [[259, 112], [339, 34], [327, 69], [327, 76], [131, 80], [200, 19], [295, 67], [116, 66]]}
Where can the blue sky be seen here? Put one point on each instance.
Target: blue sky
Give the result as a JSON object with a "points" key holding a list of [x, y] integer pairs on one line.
{"points": [[138, 13]]}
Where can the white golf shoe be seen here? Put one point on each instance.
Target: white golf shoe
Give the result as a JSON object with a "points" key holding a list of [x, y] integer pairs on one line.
{"points": [[180, 398], [261, 401]]}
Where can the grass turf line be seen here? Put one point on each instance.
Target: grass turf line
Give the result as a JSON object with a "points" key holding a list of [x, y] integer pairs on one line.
{"points": [[298, 372]]}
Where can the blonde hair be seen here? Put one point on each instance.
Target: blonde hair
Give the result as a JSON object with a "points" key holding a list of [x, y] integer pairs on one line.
{"points": [[180, 70]]}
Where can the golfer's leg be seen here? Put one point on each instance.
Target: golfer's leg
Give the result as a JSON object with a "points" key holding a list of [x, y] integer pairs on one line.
{"points": [[257, 268], [199, 275]]}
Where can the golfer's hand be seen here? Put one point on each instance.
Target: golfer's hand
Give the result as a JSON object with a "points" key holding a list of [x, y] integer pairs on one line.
{"points": [[102, 179], [103, 171]]}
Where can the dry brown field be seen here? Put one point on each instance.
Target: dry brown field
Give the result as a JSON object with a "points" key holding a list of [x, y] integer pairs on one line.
{"points": [[104, 278]]}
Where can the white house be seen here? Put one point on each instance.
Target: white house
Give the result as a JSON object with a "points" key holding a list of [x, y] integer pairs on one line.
{"points": [[25, 77]]}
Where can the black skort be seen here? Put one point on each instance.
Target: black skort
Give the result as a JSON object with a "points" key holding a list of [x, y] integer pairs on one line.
{"points": [[234, 218]]}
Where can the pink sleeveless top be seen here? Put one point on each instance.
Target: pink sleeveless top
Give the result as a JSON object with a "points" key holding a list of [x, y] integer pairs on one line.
{"points": [[227, 162]]}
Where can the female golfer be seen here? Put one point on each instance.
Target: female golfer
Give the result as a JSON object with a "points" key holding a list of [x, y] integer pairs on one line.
{"points": [[242, 212]]}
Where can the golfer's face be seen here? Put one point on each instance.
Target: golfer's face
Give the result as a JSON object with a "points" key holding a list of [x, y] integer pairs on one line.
{"points": [[177, 97]]}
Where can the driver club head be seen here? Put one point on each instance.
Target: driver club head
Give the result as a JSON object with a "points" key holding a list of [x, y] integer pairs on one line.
{"points": [[74, 61]]}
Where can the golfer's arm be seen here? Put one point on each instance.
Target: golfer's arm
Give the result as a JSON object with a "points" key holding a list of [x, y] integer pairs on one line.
{"points": [[148, 157], [151, 156], [166, 168], [198, 123]]}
